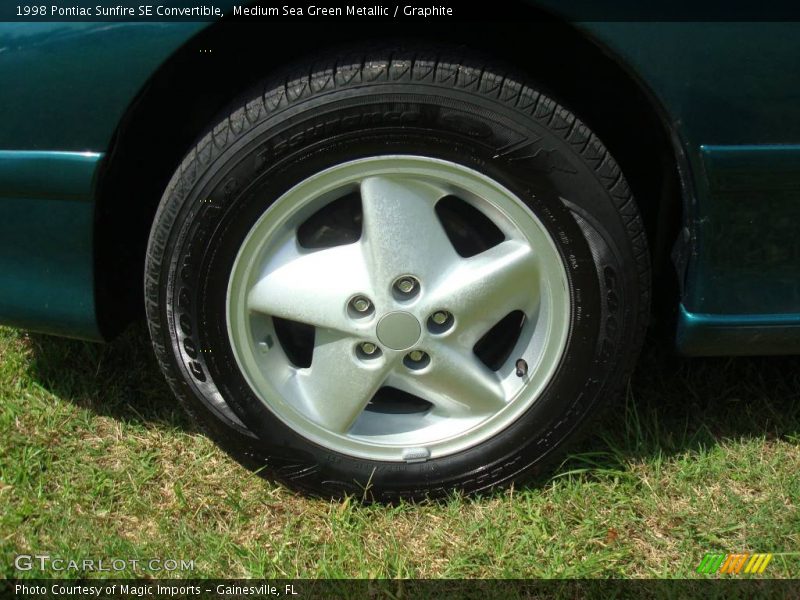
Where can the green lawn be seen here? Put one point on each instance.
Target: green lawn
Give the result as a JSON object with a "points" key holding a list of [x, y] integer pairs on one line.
{"points": [[98, 461]]}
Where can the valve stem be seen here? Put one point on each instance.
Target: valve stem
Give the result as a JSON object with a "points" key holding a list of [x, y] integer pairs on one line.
{"points": [[522, 367]]}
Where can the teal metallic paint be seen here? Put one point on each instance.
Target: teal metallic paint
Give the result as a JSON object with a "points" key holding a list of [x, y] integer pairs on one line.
{"points": [[46, 263], [719, 83], [72, 82], [740, 335], [746, 269], [40, 175], [748, 231], [731, 95]]}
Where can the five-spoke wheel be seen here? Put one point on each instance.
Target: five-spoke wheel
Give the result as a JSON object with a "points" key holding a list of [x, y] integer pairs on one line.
{"points": [[395, 316]]}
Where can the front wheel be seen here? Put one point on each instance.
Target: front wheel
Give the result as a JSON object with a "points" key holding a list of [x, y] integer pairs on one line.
{"points": [[396, 277]]}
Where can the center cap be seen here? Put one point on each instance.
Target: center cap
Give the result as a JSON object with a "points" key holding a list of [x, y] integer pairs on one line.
{"points": [[398, 330]]}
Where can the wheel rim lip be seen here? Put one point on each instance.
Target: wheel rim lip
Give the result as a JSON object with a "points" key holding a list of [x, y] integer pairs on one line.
{"points": [[303, 199]]}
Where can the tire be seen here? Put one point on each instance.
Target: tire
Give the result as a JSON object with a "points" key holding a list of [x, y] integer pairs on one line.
{"points": [[256, 315]]}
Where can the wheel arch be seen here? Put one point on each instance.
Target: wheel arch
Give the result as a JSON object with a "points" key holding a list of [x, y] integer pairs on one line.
{"points": [[195, 84]]}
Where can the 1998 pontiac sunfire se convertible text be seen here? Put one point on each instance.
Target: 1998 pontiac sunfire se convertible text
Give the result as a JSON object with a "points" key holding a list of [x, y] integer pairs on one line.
{"points": [[406, 266]]}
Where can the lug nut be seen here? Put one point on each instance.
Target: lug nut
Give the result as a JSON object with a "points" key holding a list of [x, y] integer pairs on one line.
{"points": [[406, 285], [416, 360], [440, 321], [440, 317], [368, 348], [360, 304]]}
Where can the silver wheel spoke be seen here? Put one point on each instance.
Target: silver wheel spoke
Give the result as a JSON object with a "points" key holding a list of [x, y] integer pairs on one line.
{"points": [[486, 287], [313, 287], [402, 233], [335, 388], [458, 385]]}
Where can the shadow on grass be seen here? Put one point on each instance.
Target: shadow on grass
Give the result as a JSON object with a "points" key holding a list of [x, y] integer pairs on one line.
{"points": [[672, 405], [121, 380]]}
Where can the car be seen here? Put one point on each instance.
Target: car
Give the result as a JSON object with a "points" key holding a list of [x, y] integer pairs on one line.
{"points": [[394, 258]]}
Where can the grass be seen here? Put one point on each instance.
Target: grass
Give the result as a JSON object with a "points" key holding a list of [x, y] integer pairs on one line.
{"points": [[98, 461]]}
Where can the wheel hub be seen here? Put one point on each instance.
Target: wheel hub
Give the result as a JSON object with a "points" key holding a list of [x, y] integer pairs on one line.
{"points": [[398, 330]]}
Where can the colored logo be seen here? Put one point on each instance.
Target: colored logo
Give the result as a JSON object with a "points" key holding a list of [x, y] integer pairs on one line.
{"points": [[733, 564]]}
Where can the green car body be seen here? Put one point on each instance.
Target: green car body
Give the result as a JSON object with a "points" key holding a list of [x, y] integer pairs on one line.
{"points": [[726, 95]]}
